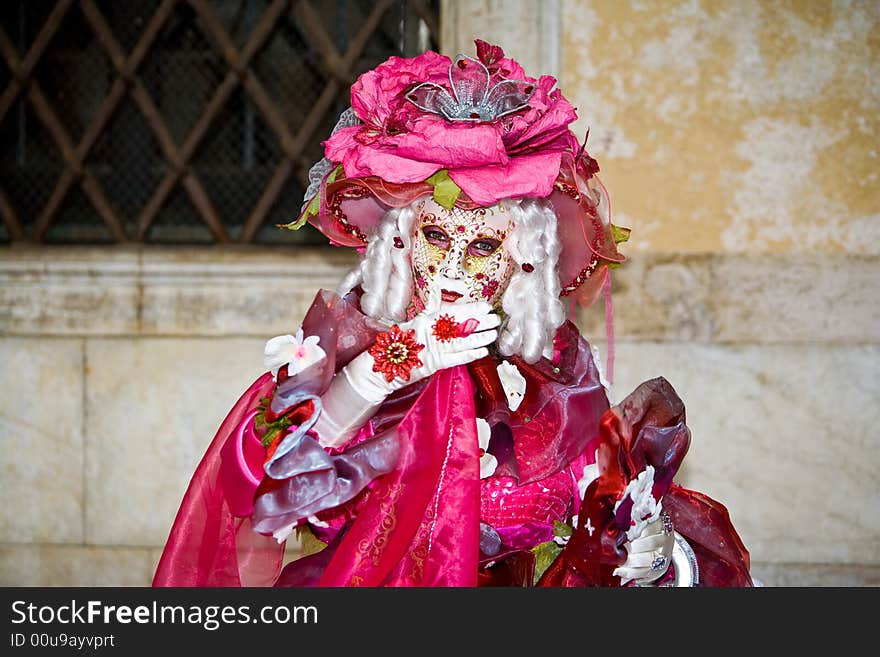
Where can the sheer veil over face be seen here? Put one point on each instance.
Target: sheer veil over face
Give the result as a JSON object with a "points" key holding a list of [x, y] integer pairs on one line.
{"points": [[460, 256]]}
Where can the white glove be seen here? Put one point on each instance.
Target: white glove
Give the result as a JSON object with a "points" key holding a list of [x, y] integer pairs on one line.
{"points": [[439, 352], [359, 389], [648, 556]]}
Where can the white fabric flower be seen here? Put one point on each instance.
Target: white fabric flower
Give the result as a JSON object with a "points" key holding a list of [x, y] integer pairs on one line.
{"points": [[645, 508], [488, 463], [283, 533], [591, 472], [597, 359], [513, 382], [295, 352]]}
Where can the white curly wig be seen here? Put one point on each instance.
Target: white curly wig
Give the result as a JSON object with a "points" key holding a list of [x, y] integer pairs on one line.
{"points": [[531, 301]]}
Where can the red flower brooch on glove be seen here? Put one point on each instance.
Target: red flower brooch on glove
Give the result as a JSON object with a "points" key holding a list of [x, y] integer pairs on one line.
{"points": [[395, 353], [446, 328]]}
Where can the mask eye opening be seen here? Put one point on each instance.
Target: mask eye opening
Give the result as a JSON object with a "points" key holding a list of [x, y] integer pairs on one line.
{"points": [[483, 247], [436, 236]]}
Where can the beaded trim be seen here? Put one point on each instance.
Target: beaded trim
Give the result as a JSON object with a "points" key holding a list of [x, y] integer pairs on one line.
{"points": [[587, 271], [335, 207]]}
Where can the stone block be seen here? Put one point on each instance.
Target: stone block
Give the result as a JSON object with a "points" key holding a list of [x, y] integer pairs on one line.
{"points": [[41, 440], [153, 407], [784, 436], [74, 565], [795, 299], [69, 291], [808, 574], [258, 293], [741, 299], [655, 298], [249, 291]]}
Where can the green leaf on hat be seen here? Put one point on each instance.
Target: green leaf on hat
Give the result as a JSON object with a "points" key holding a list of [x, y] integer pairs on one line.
{"points": [[445, 190], [314, 206], [619, 234]]}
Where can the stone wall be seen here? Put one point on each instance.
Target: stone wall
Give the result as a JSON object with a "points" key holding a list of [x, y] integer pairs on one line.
{"points": [[118, 367]]}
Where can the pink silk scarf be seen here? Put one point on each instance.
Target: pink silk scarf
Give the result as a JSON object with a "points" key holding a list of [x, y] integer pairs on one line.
{"points": [[419, 525]]}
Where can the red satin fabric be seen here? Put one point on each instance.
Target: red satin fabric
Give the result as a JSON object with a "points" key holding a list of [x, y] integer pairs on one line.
{"points": [[723, 559], [647, 429], [559, 415]]}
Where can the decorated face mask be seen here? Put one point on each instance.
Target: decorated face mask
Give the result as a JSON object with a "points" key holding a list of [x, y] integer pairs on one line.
{"points": [[461, 255]]}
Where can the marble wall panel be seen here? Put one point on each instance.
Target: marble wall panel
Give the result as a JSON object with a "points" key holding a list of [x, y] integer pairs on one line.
{"points": [[68, 291], [263, 293], [74, 565], [41, 440], [153, 406], [785, 436]]}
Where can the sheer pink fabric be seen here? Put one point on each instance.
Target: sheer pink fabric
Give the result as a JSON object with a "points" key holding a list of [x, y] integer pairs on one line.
{"points": [[419, 525], [208, 545]]}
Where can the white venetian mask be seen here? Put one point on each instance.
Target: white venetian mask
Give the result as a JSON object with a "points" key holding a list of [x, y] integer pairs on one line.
{"points": [[461, 255]]}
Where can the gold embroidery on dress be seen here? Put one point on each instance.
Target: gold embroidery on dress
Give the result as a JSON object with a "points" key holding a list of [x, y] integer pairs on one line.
{"points": [[419, 550], [373, 547], [421, 547]]}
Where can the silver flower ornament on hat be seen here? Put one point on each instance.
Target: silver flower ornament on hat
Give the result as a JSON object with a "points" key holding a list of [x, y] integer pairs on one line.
{"points": [[470, 97]]}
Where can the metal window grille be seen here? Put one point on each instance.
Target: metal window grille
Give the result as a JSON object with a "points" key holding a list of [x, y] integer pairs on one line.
{"points": [[179, 121]]}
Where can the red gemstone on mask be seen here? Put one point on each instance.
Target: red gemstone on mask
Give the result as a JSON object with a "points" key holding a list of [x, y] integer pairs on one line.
{"points": [[528, 267]]}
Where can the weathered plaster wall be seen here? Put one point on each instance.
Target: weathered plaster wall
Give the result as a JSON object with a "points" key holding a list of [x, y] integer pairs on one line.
{"points": [[733, 126]]}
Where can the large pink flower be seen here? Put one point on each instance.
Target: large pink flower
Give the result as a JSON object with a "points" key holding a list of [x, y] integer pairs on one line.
{"points": [[515, 155]]}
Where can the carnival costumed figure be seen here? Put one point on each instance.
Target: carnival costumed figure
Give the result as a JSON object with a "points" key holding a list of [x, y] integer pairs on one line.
{"points": [[438, 421]]}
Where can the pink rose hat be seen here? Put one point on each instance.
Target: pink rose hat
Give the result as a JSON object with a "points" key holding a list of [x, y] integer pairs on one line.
{"points": [[470, 132]]}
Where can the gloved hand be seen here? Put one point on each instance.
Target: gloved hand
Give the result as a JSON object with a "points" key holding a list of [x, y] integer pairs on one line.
{"points": [[442, 336], [648, 556], [448, 334]]}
